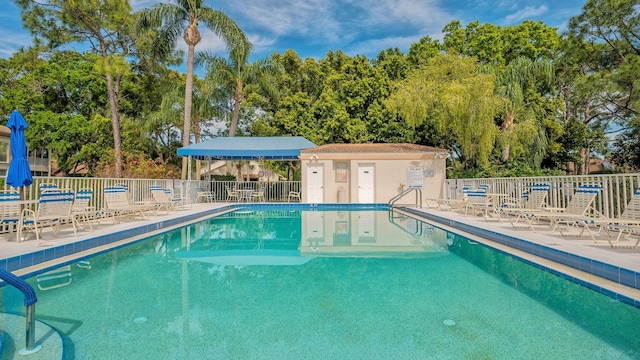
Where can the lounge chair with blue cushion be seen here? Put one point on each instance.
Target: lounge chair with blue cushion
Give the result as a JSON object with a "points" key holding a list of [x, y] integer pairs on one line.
{"points": [[205, 196], [82, 209], [165, 200], [10, 209], [533, 199], [578, 207], [53, 209], [117, 204], [628, 223]]}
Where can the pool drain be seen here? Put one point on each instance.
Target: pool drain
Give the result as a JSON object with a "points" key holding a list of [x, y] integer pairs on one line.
{"points": [[449, 322], [139, 320]]}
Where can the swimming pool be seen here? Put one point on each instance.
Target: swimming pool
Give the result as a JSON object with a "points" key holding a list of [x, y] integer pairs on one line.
{"points": [[279, 283]]}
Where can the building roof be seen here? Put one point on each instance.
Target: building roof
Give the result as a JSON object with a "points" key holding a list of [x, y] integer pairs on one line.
{"points": [[5, 131], [248, 148], [372, 149]]}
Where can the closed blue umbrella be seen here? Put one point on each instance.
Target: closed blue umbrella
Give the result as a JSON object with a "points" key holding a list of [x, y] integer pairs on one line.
{"points": [[19, 173]]}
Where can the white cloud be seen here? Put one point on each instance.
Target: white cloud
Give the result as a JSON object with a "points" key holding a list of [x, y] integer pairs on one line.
{"points": [[526, 13], [288, 17], [338, 23], [12, 41], [208, 42], [403, 12]]}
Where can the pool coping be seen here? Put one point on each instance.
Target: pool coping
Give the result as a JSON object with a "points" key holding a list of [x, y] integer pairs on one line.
{"points": [[35, 258]]}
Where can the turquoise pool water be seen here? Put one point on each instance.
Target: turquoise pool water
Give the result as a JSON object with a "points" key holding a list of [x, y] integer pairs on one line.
{"points": [[278, 284]]}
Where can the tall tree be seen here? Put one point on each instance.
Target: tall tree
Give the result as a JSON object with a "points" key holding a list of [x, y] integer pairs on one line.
{"points": [[231, 75], [452, 94], [103, 25], [604, 43], [518, 83], [184, 17]]}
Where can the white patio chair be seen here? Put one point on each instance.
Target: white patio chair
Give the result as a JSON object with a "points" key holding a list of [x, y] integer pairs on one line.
{"points": [[53, 209], [232, 194], [258, 195], [294, 195]]}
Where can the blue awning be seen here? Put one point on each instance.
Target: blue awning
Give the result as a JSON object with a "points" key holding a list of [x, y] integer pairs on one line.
{"points": [[248, 148]]}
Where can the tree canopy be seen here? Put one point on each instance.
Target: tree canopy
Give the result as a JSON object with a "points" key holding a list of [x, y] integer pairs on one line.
{"points": [[503, 100]]}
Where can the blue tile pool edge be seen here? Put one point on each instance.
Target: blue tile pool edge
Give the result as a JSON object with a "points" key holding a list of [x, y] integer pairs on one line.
{"points": [[610, 272], [55, 252]]}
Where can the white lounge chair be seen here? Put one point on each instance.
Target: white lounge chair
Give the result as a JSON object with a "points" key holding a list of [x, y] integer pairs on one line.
{"points": [[53, 209], [117, 204], [205, 196], [10, 210], [533, 199], [626, 224], [578, 207], [452, 204], [47, 187], [165, 200], [82, 209]]}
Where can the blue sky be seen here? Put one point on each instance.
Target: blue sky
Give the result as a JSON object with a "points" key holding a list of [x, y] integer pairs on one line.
{"points": [[313, 27]]}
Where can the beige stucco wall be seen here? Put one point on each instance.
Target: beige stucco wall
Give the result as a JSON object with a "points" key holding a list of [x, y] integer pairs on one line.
{"points": [[390, 176]]}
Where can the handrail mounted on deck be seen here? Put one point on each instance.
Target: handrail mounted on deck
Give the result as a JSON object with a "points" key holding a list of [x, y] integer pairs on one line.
{"points": [[30, 300], [405, 192]]}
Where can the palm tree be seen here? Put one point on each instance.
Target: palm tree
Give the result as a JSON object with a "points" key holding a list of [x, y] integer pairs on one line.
{"points": [[229, 76], [232, 74], [514, 83], [184, 17]]}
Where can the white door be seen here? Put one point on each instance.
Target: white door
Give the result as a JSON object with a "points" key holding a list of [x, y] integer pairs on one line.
{"points": [[365, 183], [315, 192]]}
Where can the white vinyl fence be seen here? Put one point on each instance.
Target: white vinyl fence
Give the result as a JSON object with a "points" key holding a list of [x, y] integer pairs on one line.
{"points": [[139, 188], [616, 192]]}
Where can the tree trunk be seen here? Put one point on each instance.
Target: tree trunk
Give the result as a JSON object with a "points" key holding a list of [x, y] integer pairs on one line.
{"points": [[196, 135], [115, 123], [186, 129], [237, 100], [585, 156], [506, 127]]}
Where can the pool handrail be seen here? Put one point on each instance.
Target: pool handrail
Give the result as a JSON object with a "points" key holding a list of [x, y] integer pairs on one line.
{"points": [[405, 192], [30, 300]]}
